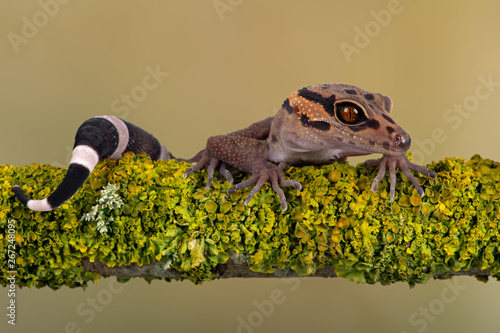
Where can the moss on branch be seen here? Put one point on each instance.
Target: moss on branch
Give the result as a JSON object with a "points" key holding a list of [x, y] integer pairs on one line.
{"points": [[176, 225]]}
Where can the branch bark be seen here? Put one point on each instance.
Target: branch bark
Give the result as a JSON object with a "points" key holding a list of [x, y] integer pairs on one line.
{"points": [[233, 268]]}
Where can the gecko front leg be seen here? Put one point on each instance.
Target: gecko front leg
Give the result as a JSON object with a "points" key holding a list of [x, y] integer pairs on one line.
{"points": [[245, 150], [249, 155], [259, 131], [391, 163]]}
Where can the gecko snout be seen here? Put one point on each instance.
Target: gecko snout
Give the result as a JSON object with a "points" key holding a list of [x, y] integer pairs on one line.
{"points": [[402, 140]]}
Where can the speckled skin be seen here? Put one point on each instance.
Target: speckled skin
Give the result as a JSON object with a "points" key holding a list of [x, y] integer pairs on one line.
{"points": [[316, 125]]}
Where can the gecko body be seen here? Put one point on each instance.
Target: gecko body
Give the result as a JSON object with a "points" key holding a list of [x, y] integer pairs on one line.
{"points": [[315, 125]]}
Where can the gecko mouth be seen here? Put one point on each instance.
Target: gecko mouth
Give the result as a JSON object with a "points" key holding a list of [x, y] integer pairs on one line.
{"points": [[396, 144]]}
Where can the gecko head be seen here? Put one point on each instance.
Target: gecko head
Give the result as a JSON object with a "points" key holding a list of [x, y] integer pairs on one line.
{"points": [[348, 118]]}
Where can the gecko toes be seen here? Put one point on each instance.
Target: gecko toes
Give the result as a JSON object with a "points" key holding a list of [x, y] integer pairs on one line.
{"points": [[374, 186], [292, 183], [401, 162], [225, 172], [267, 173]]}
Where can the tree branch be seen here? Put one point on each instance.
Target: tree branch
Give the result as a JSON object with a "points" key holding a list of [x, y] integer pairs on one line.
{"points": [[163, 226]]}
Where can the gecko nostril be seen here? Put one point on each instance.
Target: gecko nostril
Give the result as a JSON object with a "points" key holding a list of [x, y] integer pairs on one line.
{"points": [[402, 141]]}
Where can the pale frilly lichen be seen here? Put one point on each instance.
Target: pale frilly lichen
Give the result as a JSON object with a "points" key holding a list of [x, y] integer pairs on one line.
{"points": [[108, 200]]}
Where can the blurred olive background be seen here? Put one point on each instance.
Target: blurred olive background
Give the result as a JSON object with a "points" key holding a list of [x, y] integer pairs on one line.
{"points": [[220, 66]]}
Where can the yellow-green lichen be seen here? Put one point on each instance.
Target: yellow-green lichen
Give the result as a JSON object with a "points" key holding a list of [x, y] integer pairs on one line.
{"points": [[335, 220]]}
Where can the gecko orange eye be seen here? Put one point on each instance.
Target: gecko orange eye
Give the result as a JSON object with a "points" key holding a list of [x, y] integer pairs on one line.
{"points": [[350, 113]]}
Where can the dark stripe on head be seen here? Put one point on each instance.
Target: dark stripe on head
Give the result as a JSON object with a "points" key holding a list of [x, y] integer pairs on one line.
{"points": [[286, 105], [73, 180], [326, 103], [100, 134], [373, 143], [369, 97], [370, 123], [390, 130], [389, 119], [319, 125], [351, 92]]}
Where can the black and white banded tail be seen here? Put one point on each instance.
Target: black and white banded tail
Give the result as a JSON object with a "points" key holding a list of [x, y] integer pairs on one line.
{"points": [[102, 137]]}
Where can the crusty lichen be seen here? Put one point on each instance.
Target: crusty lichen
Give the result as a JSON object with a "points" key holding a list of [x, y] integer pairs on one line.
{"points": [[334, 220]]}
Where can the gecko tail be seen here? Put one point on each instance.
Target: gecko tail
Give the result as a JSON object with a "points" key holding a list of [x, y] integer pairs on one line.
{"points": [[73, 180], [102, 137]]}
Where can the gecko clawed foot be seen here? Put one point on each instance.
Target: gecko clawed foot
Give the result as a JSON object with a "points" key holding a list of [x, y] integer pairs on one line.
{"points": [[401, 162], [266, 171], [263, 171]]}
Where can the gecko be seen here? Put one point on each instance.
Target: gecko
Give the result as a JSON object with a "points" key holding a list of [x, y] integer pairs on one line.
{"points": [[319, 124]]}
